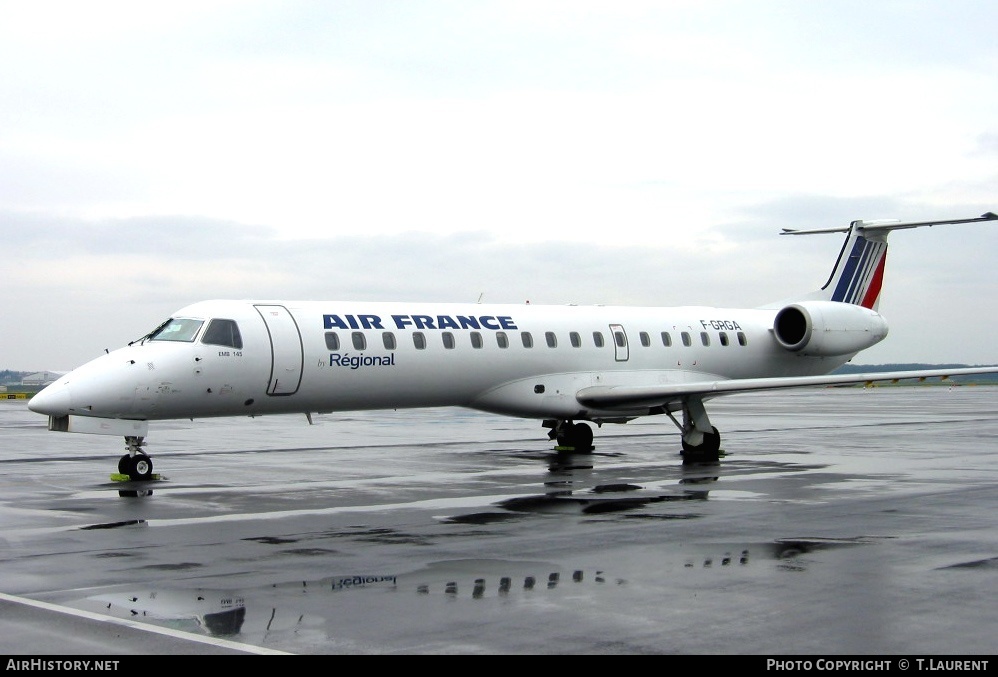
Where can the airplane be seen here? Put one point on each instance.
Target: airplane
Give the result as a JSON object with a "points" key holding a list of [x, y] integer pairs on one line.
{"points": [[568, 366]]}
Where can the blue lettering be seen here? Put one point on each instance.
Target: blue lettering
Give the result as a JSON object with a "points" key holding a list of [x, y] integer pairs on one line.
{"points": [[358, 361], [370, 321], [443, 322], [333, 322]]}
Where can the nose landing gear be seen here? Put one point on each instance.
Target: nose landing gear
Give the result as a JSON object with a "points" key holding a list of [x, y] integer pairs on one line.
{"points": [[135, 464]]}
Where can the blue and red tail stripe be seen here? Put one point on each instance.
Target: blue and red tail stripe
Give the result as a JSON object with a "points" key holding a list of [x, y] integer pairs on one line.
{"points": [[863, 274]]}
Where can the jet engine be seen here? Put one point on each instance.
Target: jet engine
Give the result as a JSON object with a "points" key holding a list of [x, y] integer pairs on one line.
{"points": [[828, 328]]}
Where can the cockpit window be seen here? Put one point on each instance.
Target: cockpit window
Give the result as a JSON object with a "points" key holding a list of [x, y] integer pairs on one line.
{"points": [[177, 329], [223, 333]]}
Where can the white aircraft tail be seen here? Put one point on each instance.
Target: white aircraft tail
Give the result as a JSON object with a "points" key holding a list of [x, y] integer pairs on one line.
{"points": [[858, 274]]}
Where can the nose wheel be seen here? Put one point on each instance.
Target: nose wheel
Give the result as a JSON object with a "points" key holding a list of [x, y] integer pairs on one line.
{"points": [[136, 463]]}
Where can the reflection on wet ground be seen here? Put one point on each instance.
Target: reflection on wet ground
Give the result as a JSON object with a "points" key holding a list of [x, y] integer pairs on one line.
{"points": [[219, 614], [222, 613], [845, 534]]}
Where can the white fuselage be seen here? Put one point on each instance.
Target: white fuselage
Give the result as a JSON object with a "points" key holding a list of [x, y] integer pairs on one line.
{"points": [[332, 356]]}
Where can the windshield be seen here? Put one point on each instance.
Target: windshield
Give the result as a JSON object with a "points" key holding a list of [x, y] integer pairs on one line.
{"points": [[177, 329]]}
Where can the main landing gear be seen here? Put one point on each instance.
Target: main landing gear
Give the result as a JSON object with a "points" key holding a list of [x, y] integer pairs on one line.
{"points": [[136, 464], [701, 440], [708, 451], [571, 436]]}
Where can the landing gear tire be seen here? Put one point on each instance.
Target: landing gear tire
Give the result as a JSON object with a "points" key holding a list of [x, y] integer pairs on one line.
{"points": [[578, 436], [705, 452], [137, 467], [582, 437]]}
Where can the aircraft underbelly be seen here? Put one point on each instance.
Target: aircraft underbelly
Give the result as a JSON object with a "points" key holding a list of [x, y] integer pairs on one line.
{"points": [[549, 395]]}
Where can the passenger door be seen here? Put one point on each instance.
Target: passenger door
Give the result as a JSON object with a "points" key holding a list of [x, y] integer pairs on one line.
{"points": [[287, 354]]}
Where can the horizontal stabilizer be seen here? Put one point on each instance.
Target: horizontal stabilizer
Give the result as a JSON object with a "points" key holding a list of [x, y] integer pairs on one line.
{"points": [[882, 226]]}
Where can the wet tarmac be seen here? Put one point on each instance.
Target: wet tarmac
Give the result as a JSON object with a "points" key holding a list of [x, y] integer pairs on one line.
{"points": [[840, 521]]}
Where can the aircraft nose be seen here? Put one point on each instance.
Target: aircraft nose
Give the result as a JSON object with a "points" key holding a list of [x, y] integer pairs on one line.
{"points": [[52, 400]]}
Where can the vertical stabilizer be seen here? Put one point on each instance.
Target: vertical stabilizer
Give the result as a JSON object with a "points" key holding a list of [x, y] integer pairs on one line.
{"points": [[859, 273]]}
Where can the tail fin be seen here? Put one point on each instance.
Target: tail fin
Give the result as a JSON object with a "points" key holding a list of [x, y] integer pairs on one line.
{"points": [[858, 274]]}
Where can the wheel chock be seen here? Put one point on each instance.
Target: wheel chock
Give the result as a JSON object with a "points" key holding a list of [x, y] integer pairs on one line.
{"points": [[121, 477]]}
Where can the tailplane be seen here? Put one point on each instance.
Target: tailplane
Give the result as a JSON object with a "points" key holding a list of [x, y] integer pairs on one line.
{"points": [[858, 274]]}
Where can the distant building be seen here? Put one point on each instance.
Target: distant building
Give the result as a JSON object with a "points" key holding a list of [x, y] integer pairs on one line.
{"points": [[41, 378]]}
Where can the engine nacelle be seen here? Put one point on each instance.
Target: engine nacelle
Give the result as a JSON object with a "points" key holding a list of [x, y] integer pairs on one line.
{"points": [[828, 328]]}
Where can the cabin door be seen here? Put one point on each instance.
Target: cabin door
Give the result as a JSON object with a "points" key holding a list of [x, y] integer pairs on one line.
{"points": [[619, 342], [287, 356]]}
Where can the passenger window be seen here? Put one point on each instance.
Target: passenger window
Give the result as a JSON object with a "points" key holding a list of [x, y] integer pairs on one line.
{"points": [[223, 333], [389, 340], [666, 339], [332, 340], [448, 338], [419, 340], [551, 339], [619, 337], [359, 340], [742, 341], [177, 330], [705, 338], [598, 339], [528, 340], [476, 339], [502, 340], [645, 339], [687, 341], [723, 336], [575, 339]]}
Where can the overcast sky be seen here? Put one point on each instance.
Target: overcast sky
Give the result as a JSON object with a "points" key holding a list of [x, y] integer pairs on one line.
{"points": [[156, 154]]}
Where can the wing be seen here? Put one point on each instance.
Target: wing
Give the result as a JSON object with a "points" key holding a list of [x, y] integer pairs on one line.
{"points": [[629, 397]]}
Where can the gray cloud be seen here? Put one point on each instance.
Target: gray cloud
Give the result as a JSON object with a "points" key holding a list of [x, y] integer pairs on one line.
{"points": [[123, 276]]}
